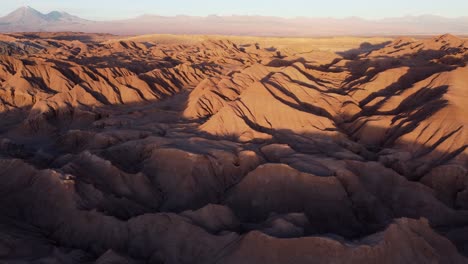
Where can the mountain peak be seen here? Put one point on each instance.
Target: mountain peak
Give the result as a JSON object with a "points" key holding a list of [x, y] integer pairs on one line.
{"points": [[28, 16], [24, 15], [25, 7], [57, 15], [26, 10]]}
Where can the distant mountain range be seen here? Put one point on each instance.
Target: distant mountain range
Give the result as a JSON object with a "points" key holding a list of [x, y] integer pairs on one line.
{"points": [[27, 19]]}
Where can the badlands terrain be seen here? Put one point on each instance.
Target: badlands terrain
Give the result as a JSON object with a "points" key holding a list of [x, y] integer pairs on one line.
{"points": [[186, 149]]}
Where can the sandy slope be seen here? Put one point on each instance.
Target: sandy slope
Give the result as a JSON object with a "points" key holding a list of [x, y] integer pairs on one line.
{"points": [[165, 149]]}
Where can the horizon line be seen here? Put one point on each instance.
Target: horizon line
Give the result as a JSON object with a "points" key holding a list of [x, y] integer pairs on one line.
{"points": [[236, 15]]}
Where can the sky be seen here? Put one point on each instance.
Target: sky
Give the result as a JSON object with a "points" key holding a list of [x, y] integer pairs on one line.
{"points": [[120, 9]]}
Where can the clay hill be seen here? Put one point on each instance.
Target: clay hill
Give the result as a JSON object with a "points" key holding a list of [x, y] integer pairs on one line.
{"points": [[27, 19], [222, 150]]}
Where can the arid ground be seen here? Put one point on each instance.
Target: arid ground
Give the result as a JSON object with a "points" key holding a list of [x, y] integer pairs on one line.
{"points": [[212, 149]]}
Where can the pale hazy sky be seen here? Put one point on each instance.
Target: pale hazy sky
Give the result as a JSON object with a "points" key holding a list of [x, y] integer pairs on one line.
{"points": [[114, 9]]}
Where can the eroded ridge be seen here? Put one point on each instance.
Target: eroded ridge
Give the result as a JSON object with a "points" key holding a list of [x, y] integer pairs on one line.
{"points": [[210, 151]]}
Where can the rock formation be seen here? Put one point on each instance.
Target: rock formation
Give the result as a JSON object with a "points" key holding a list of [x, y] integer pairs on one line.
{"points": [[125, 151]]}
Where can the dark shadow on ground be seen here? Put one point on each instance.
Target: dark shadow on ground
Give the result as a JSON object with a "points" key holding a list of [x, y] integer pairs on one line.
{"points": [[364, 48]]}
